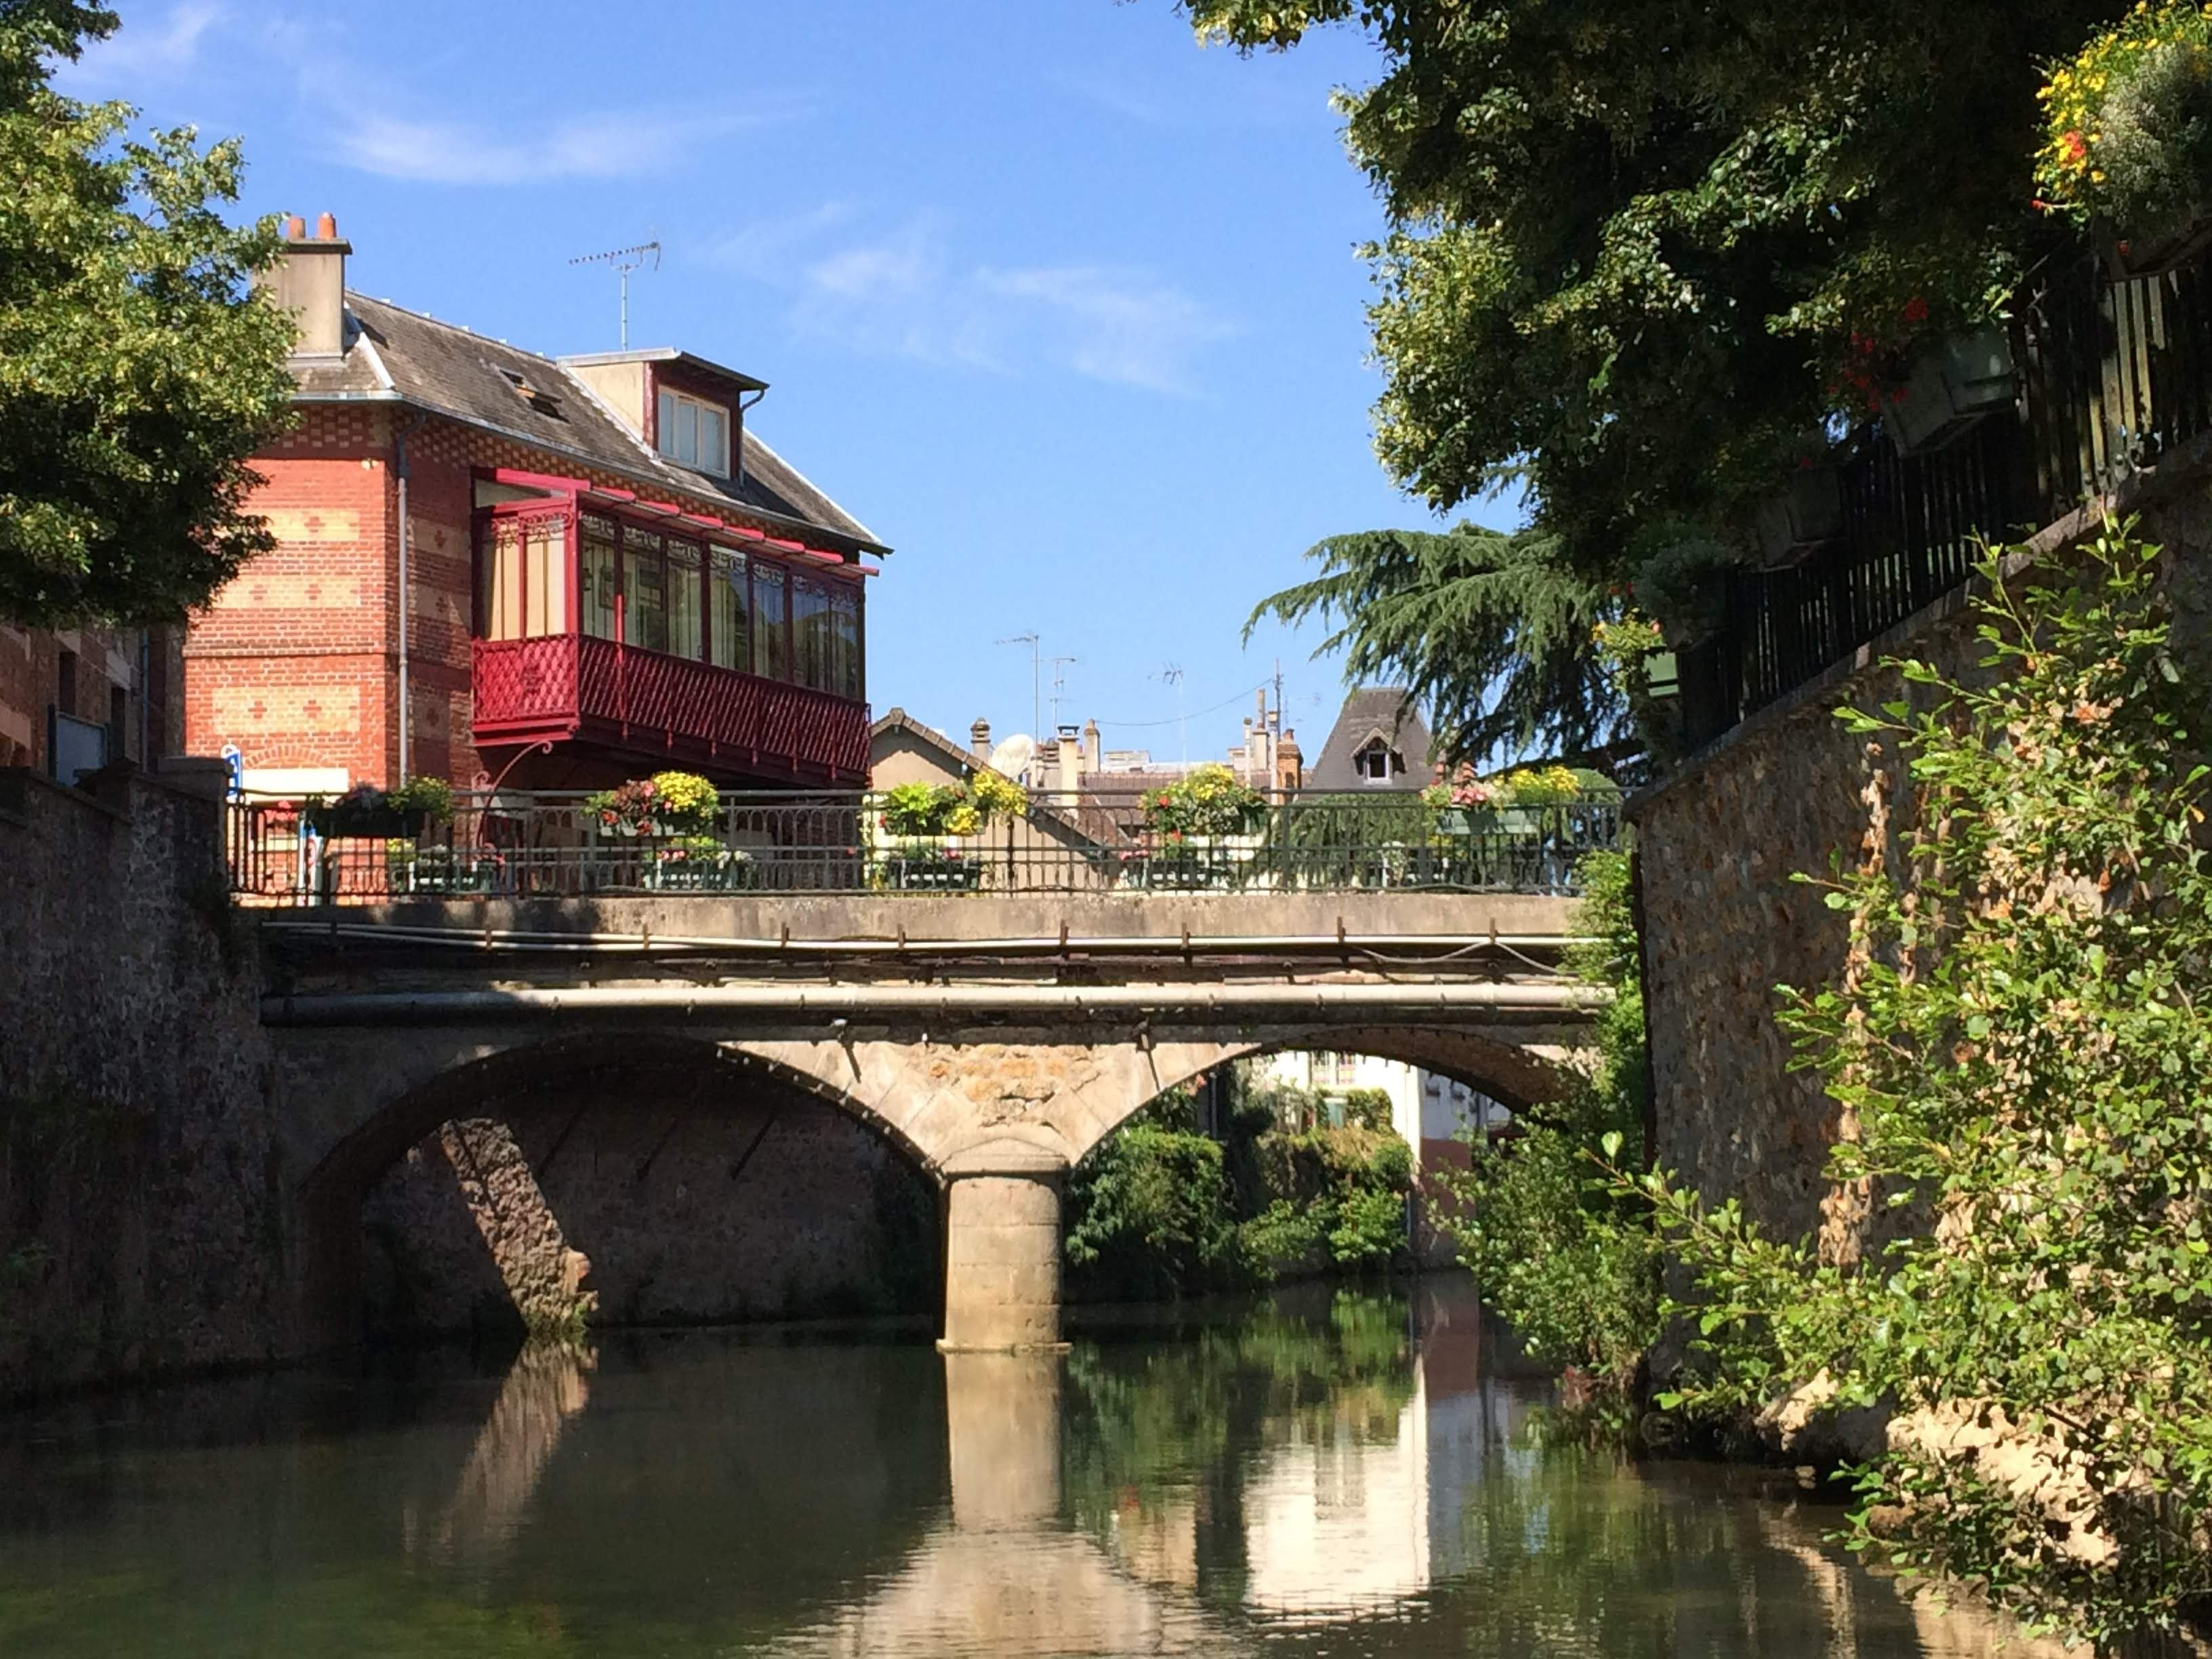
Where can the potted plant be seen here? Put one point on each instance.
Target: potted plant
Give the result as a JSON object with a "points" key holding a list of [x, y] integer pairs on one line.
{"points": [[700, 863], [2127, 147], [1202, 826], [665, 804], [365, 811]]}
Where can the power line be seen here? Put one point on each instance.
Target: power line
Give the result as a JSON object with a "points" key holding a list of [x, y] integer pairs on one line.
{"points": [[1172, 718]]}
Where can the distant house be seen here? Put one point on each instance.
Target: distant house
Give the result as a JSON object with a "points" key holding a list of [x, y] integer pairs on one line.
{"points": [[584, 568], [1379, 742], [1050, 847]]}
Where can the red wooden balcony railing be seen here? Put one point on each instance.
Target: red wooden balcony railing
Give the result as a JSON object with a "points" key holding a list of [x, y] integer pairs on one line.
{"points": [[572, 688]]}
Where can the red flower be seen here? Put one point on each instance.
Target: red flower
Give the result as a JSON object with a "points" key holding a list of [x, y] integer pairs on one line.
{"points": [[1916, 309], [2073, 143]]}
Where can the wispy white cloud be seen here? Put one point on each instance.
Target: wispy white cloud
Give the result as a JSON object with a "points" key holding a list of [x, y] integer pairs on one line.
{"points": [[904, 290], [157, 49], [602, 144]]}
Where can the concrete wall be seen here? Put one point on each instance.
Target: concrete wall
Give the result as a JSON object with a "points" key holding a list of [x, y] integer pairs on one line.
{"points": [[141, 1197], [1789, 790]]}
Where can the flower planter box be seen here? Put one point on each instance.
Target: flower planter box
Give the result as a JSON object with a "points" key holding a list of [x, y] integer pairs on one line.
{"points": [[338, 820], [1950, 391], [1795, 521], [929, 864]]}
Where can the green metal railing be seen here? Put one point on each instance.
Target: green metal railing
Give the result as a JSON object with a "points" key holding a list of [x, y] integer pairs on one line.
{"points": [[549, 845]]}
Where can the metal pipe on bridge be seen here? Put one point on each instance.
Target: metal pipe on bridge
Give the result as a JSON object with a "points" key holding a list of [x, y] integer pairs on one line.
{"points": [[1170, 1002], [483, 939]]}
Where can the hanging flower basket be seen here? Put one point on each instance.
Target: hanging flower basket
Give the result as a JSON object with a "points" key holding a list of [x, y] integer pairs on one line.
{"points": [[2127, 144], [1950, 389], [365, 811]]}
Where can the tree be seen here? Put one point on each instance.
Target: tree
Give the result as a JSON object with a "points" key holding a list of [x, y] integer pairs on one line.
{"points": [[1641, 246], [1487, 630], [138, 374]]}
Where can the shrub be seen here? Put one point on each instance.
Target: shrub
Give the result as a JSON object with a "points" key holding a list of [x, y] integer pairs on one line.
{"points": [[921, 809], [1148, 1216], [1367, 1108], [2021, 1053]]}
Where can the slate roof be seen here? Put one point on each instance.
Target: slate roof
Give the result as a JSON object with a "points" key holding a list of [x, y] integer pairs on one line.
{"points": [[1372, 711], [398, 354]]}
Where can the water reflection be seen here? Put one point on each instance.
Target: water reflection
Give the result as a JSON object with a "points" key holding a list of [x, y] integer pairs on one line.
{"points": [[1336, 1475]]}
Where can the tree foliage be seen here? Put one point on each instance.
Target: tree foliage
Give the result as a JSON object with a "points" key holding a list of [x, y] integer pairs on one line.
{"points": [[1632, 241], [138, 374], [2021, 1048], [1570, 1263], [1488, 631]]}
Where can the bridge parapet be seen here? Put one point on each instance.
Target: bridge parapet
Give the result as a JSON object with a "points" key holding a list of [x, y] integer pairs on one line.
{"points": [[566, 844]]}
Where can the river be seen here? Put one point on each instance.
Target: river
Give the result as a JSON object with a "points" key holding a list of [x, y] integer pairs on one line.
{"points": [[1329, 1473]]}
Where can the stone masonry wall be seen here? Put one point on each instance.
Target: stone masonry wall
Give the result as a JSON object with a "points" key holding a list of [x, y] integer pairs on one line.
{"points": [[639, 1203], [140, 1197], [1724, 924]]}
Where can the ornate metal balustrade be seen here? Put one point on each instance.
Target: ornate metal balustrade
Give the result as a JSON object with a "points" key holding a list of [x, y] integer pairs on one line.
{"points": [[2113, 374], [569, 686], [549, 845]]}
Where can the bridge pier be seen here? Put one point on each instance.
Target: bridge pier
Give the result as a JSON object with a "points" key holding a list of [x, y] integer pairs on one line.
{"points": [[1002, 1251]]}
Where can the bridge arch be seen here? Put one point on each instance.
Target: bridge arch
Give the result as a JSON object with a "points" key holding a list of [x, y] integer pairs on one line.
{"points": [[464, 1079]]}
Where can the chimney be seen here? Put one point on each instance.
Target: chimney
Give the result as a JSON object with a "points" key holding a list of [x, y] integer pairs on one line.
{"points": [[979, 739], [1094, 757], [1290, 763], [1070, 752], [309, 280]]}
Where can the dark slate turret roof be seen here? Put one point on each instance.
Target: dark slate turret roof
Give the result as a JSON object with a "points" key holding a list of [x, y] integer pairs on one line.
{"points": [[1372, 711]]}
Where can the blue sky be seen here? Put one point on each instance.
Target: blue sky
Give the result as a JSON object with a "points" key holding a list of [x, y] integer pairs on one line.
{"points": [[1061, 306]]}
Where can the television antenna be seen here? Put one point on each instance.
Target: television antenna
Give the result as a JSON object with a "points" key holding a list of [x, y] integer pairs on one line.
{"points": [[643, 256], [1059, 685], [1173, 675], [1036, 676]]}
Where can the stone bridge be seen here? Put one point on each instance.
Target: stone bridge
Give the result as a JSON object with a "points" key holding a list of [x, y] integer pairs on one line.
{"points": [[994, 1041]]}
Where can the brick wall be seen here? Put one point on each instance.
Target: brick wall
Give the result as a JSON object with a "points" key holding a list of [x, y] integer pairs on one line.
{"points": [[293, 661], [106, 662]]}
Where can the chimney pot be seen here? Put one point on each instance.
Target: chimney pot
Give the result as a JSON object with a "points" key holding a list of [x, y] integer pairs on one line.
{"points": [[295, 228], [326, 227], [979, 739]]}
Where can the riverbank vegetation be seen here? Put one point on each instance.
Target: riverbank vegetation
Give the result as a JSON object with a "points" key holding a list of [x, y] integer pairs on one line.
{"points": [[1162, 1210], [1568, 1260], [2023, 1060]]}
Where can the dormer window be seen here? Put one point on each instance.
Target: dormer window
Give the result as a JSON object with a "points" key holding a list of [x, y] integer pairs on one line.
{"points": [[694, 433], [1377, 763]]}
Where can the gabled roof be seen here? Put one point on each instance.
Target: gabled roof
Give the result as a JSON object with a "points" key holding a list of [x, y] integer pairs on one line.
{"points": [[959, 761], [1369, 712], [402, 355]]}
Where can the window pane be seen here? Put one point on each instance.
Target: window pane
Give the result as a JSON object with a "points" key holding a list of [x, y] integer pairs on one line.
{"points": [[768, 628], [685, 633], [596, 578], [732, 607], [809, 626], [645, 591], [664, 428], [845, 640], [714, 440], [500, 592], [545, 579], [686, 432]]}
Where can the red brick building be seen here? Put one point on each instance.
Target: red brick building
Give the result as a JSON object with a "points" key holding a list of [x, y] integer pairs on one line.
{"points": [[594, 553]]}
